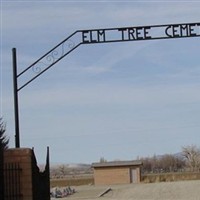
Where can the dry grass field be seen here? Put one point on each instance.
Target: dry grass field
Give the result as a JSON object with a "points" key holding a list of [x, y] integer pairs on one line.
{"points": [[183, 190], [86, 180]]}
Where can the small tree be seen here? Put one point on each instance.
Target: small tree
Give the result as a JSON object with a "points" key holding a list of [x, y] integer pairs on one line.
{"points": [[192, 156], [102, 160], [3, 139], [164, 163], [62, 170]]}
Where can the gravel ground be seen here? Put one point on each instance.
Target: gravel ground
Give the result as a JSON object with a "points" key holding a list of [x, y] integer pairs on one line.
{"points": [[184, 190]]}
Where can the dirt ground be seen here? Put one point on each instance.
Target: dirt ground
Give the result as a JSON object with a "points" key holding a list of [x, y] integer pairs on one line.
{"points": [[184, 190]]}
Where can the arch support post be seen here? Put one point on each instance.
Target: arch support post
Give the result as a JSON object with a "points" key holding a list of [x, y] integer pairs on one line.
{"points": [[16, 105]]}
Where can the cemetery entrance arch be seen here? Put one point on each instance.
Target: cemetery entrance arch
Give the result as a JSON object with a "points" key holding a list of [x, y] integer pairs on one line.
{"points": [[94, 36]]}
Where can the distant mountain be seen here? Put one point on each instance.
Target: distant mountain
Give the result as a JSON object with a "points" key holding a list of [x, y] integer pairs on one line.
{"points": [[70, 165]]}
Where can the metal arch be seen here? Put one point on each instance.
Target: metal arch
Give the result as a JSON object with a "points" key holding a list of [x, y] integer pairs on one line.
{"points": [[94, 36]]}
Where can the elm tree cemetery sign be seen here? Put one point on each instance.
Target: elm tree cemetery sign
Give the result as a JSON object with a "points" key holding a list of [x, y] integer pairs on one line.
{"points": [[140, 33], [93, 36]]}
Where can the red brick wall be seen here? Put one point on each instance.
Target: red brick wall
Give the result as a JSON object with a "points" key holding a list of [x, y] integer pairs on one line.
{"points": [[22, 156]]}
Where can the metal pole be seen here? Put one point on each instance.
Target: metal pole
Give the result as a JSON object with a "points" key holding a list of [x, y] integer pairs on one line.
{"points": [[16, 106]]}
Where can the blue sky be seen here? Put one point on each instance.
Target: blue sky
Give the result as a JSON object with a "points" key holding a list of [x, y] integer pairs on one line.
{"points": [[117, 101]]}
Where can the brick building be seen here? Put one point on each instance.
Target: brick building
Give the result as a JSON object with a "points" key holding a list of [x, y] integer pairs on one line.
{"points": [[117, 172]]}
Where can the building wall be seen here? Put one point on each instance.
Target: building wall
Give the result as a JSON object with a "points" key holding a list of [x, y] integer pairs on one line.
{"points": [[114, 175], [23, 157]]}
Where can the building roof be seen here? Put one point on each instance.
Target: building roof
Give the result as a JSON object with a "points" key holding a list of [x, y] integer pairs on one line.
{"points": [[117, 163]]}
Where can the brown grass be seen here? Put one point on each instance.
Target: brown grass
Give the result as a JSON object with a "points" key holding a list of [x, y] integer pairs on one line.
{"points": [[149, 178], [169, 177], [72, 181]]}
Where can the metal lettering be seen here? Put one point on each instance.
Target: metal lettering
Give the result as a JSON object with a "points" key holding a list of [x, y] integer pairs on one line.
{"points": [[122, 30], [146, 32], [93, 36], [166, 31], [139, 36], [138, 33], [184, 30], [181, 30], [191, 29], [100, 34], [175, 31], [85, 37], [131, 34]]}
